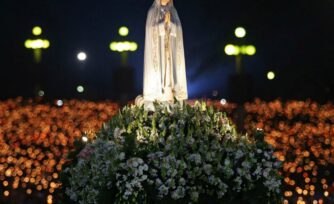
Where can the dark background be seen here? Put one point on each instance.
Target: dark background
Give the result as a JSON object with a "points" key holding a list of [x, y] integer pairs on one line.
{"points": [[293, 38]]}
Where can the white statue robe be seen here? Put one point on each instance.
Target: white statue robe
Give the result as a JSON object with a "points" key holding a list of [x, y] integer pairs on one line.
{"points": [[164, 69]]}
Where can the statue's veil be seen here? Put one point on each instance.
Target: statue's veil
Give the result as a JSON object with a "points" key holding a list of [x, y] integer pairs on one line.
{"points": [[157, 13], [152, 73]]}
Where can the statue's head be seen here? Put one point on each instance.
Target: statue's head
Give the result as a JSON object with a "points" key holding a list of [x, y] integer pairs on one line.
{"points": [[165, 2]]}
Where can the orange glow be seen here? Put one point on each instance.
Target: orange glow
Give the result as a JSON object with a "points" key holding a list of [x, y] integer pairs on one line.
{"points": [[6, 193], [49, 132]]}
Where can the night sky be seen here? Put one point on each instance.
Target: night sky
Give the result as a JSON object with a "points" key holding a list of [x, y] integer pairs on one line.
{"points": [[294, 38]]}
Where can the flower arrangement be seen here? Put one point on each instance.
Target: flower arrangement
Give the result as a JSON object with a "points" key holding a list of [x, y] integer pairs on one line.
{"points": [[176, 154]]}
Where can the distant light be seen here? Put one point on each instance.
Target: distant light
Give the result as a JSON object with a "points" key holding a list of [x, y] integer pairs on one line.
{"points": [[259, 129], [250, 50], [240, 32], [80, 89], [28, 191], [37, 30], [41, 93], [215, 93], [232, 49], [223, 101], [5, 183], [271, 75], [84, 139], [60, 103], [82, 56], [6, 193], [123, 31], [37, 44], [123, 46]]}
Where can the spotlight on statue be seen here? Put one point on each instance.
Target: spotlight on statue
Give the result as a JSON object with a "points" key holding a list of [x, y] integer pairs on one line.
{"points": [[271, 75], [82, 56]]}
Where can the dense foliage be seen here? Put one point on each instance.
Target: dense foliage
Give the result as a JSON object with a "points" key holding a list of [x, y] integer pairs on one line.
{"points": [[176, 154]]}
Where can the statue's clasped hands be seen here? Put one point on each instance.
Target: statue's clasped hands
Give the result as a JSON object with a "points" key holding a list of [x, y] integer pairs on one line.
{"points": [[167, 18]]}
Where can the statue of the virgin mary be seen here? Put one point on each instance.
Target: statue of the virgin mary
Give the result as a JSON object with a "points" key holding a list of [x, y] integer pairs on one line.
{"points": [[164, 63]]}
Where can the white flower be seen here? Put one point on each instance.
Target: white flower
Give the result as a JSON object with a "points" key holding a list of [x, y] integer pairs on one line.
{"points": [[178, 193], [239, 154], [208, 169], [238, 182], [158, 182], [190, 140], [73, 195], [267, 155], [118, 133], [246, 164], [266, 172], [268, 164], [163, 190], [195, 158], [194, 196], [145, 167], [257, 172], [144, 177], [227, 162], [140, 137], [121, 156], [182, 181], [212, 180], [187, 162]]}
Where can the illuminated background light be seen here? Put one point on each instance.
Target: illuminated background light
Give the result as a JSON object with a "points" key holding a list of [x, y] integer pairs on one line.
{"points": [[123, 31], [80, 89], [250, 50], [215, 93], [41, 93], [85, 139], [125, 46], [271, 75], [82, 56], [232, 49], [60, 103], [37, 30], [223, 101], [240, 32], [6, 193], [37, 44]]}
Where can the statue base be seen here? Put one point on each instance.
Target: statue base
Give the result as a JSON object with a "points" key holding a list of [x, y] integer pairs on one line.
{"points": [[149, 105]]}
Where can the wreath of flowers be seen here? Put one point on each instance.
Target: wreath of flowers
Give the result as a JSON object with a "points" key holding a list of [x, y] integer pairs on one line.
{"points": [[176, 154]]}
